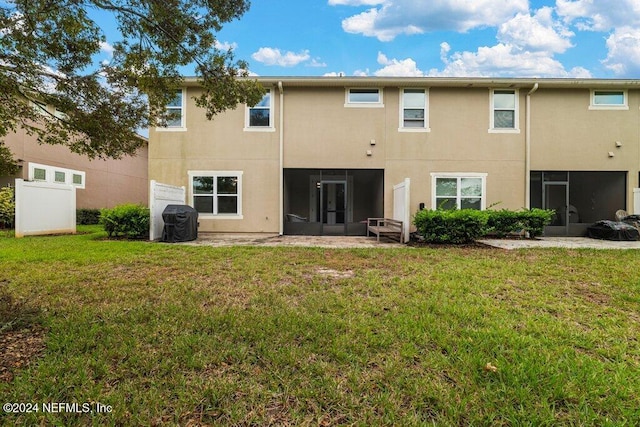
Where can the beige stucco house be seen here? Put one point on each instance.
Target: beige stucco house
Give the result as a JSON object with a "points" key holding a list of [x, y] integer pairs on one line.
{"points": [[100, 183], [320, 155]]}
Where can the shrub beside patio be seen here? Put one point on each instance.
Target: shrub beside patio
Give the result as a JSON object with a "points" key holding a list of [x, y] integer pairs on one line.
{"points": [[467, 225]]}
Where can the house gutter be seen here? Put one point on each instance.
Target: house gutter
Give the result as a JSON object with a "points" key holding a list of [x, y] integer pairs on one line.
{"points": [[281, 159], [527, 150]]}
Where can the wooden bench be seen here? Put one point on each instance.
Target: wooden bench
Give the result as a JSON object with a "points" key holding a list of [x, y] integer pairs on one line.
{"points": [[386, 227]]}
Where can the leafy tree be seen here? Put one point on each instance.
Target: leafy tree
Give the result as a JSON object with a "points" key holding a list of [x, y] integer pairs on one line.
{"points": [[51, 85]]}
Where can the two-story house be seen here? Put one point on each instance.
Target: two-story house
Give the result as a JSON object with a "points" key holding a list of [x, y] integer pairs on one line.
{"points": [[319, 155]]}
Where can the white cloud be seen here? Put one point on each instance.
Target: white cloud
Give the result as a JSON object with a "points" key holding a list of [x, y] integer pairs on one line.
{"points": [[225, 46], [355, 2], [397, 68], [624, 52], [271, 56], [536, 33], [505, 61], [106, 48], [599, 15], [397, 17], [316, 62]]}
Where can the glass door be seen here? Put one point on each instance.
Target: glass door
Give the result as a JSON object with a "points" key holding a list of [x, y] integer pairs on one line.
{"points": [[333, 200], [555, 195]]}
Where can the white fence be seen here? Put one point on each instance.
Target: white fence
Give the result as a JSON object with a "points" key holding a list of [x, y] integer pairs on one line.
{"points": [[160, 196], [402, 207], [44, 208]]}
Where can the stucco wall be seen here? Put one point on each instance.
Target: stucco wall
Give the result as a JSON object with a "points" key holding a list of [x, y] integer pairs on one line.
{"points": [[108, 182]]}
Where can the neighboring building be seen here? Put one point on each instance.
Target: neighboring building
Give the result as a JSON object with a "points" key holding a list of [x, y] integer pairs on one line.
{"points": [[102, 183], [321, 155]]}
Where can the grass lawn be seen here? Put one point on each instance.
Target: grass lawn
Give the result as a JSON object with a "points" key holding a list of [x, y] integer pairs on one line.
{"points": [[179, 335]]}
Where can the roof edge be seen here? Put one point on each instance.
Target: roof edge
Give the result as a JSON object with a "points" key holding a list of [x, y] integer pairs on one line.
{"points": [[470, 82]]}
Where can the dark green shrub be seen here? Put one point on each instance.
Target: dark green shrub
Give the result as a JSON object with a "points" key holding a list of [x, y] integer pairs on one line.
{"points": [[504, 221], [451, 226], [7, 207], [131, 221], [87, 216], [537, 219]]}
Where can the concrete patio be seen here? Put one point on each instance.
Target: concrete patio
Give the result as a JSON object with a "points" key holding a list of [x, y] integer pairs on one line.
{"points": [[268, 239]]}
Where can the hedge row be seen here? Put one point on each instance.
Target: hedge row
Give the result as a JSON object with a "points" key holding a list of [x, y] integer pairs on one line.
{"points": [[467, 225]]}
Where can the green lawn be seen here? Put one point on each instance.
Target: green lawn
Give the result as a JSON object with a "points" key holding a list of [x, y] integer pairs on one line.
{"points": [[178, 335]]}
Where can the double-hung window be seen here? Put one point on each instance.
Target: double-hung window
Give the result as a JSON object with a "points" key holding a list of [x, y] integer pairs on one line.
{"points": [[504, 110], [217, 193], [458, 190], [175, 113], [414, 114], [608, 100], [363, 97], [260, 116]]}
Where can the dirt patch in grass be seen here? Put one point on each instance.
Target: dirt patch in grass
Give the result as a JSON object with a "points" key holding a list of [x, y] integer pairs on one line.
{"points": [[21, 336], [18, 349]]}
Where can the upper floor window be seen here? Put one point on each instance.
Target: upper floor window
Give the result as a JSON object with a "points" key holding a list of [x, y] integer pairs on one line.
{"points": [[413, 110], [217, 193], [175, 113], [260, 116], [609, 100], [458, 190], [361, 97], [504, 110]]}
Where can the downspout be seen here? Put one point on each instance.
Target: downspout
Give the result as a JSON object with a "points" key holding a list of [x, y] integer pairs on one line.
{"points": [[527, 150], [281, 160]]}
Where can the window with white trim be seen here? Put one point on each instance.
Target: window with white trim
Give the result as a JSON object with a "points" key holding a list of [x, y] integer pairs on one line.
{"points": [[39, 174], [363, 97], [216, 193], [260, 116], [56, 175], [413, 110], [458, 190], [609, 100], [504, 110], [175, 113]]}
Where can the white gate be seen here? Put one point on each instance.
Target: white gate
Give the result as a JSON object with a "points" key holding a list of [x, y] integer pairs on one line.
{"points": [[402, 207], [160, 196]]}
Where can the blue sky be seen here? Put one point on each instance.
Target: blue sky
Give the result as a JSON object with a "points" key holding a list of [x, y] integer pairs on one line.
{"points": [[453, 38]]}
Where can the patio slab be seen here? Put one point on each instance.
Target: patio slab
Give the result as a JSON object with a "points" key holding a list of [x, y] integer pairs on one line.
{"points": [[271, 240], [560, 242]]}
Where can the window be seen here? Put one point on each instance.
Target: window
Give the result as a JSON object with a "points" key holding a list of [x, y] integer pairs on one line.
{"points": [[608, 100], [39, 174], [363, 98], [260, 115], [458, 191], [504, 111], [56, 175], [175, 109], [217, 193], [413, 110]]}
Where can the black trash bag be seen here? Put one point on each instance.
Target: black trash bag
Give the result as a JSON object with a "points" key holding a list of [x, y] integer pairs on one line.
{"points": [[180, 223], [612, 230]]}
